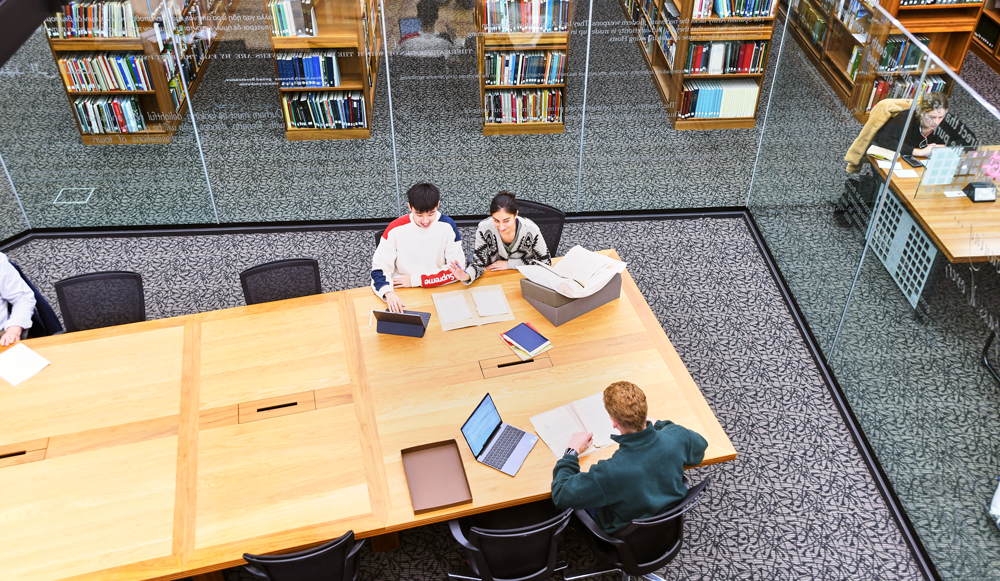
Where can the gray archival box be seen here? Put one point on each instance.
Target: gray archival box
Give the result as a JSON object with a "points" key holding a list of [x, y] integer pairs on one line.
{"points": [[559, 309]]}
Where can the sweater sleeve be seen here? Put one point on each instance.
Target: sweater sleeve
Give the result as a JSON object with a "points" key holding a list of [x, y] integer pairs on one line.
{"points": [[484, 253], [383, 266], [695, 449], [574, 489]]}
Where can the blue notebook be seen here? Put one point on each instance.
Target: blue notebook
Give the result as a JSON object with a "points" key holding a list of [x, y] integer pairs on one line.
{"points": [[526, 338]]}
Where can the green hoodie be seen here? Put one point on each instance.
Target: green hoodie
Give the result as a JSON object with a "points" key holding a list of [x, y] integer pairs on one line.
{"points": [[642, 478]]}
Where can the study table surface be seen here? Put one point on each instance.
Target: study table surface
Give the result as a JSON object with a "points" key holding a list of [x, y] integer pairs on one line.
{"points": [[962, 229], [169, 448]]}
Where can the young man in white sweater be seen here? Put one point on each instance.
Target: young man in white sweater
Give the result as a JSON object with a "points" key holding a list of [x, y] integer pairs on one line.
{"points": [[415, 249]]}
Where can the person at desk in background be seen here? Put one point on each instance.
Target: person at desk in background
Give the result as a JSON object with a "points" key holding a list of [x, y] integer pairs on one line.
{"points": [[416, 249], [920, 139], [17, 303], [503, 241], [645, 475]]}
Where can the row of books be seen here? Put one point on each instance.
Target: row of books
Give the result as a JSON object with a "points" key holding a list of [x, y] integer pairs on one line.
{"points": [[733, 8], [923, 2], [668, 41], [855, 63], [904, 88], [316, 68], [726, 57], [292, 17], [524, 68], [94, 19], [902, 55], [109, 114], [988, 33], [524, 106], [324, 110], [855, 15], [105, 71], [526, 16], [711, 99], [814, 23]]}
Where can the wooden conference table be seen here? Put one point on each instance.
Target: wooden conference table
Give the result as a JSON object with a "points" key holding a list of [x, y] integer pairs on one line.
{"points": [[961, 229], [169, 448]]}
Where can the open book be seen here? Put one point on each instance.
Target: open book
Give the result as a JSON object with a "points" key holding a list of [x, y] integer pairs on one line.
{"points": [[556, 427], [579, 274]]}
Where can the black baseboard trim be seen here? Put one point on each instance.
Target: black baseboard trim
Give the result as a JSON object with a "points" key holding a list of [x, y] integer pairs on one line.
{"points": [[917, 549]]}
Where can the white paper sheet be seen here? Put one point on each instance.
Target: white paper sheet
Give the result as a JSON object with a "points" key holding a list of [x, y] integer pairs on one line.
{"points": [[905, 173], [596, 419], [489, 303], [954, 193], [884, 164], [19, 363], [555, 428], [452, 309]]}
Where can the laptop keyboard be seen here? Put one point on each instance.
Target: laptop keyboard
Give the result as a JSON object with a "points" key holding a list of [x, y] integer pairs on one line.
{"points": [[425, 317], [502, 448]]}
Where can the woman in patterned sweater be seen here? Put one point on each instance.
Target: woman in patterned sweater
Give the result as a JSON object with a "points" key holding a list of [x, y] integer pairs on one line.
{"points": [[503, 241]]}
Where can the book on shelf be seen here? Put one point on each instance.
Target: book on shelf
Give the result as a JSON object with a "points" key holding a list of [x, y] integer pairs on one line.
{"points": [[726, 57], [855, 15], [94, 19], [524, 106], [505, 16], [526, 339], [733, 8], [647, 38], [855, 63], [901, 55], [520, 352], [324, 110], [718, 99], [556, 427], [904, 88], [926, 2], [292, 17], [667, 37], [533, 67], [105, 71], [988, 33], [109, 114], [311, 68], [814, 23]]}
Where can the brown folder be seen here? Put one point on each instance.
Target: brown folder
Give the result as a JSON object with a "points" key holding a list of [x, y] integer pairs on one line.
{"points": [[435, 476]]}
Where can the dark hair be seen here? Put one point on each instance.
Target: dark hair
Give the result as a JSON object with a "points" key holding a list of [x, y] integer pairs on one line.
{"points": [[503, 201], [427, 12], [423, 197]]}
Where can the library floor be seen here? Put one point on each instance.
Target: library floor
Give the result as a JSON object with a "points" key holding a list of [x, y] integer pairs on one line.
{"points": [[798, 502]]}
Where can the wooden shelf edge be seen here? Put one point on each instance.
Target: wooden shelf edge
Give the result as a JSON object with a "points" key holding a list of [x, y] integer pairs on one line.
{"points": [[522, 128], [721, 123], [74, 44], [324, 134]]}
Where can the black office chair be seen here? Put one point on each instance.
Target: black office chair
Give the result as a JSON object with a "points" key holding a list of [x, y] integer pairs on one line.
{"points": [[333, 561], [378, 237], [550, 221], [279, 280], [101, 299], [525, 552], [643, 546]]}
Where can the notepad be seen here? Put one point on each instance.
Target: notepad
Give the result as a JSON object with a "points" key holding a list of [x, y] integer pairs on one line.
{"points": [[19, 363], [556, 427], [528, 339], [489, 303], [905, 173], [453, 309]]}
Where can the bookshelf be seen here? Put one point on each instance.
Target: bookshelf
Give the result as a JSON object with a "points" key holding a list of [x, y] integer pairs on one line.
{"points": [[522, 53], [121, 65], [351, 32], [838, 35], [706, 67], [986, 40]]}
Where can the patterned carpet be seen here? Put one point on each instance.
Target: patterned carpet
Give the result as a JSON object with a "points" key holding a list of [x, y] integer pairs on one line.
{"points": [[798, 503]]}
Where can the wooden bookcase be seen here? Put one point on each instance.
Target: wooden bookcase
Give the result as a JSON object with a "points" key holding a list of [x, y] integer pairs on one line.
{"points": [[506, 42], [162, 115], [354, 29], [670, 78], [948, 27], [989, 22]]}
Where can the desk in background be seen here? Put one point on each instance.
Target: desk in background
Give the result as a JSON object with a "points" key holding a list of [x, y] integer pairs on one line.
{"points": [[169, 448]]}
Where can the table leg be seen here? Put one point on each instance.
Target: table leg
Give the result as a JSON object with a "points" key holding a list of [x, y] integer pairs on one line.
{"points": [[386, 542]]}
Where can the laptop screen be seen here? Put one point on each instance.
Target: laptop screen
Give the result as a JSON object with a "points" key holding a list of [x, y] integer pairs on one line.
{"points": [[481, 424]]}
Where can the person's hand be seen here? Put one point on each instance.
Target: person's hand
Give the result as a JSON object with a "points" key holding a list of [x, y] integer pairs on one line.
{"points": [[498, 265], [400, 281], [926, 151], [11, 335], [458, 272], [393, 302], [580, 441]]}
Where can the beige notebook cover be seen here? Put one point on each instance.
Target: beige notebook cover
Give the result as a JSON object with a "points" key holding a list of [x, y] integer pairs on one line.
{"points": [[556, 427], [478, 305]]}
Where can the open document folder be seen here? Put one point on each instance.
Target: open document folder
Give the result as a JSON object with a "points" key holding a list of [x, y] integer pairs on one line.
{"points": [[579, 274], [556, 427]]}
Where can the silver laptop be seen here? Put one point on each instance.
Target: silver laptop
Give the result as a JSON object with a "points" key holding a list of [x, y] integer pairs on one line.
{"points": [[494, 443]]}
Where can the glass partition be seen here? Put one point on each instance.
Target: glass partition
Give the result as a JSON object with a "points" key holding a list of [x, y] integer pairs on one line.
{"points": [[13, 220], [897, 281], [94, 123]]}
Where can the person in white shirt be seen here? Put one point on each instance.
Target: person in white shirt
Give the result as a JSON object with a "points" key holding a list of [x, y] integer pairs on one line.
{"points": [[17, 303], [416, 249]]}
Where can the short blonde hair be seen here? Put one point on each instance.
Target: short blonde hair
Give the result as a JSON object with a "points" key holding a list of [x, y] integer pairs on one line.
{"points": [[626, 404], [930, 101]]}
